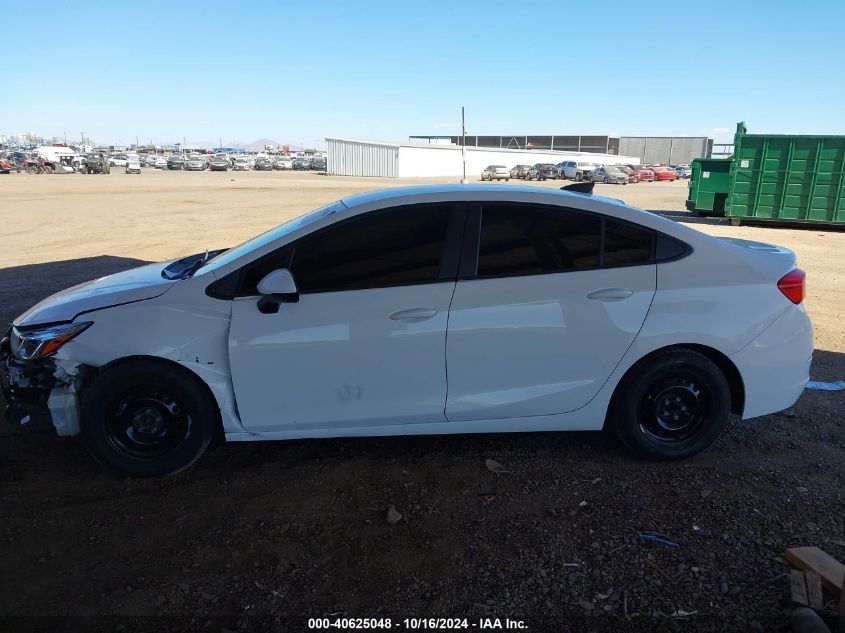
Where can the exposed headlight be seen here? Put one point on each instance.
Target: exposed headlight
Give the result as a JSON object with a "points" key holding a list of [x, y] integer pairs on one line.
{"points": [[39, 343]]}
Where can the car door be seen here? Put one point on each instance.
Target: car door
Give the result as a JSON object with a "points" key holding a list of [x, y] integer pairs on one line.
{"points": [[543, 313], [365, 343]]}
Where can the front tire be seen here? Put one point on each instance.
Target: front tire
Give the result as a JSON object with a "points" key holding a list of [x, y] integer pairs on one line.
{"points": [[671, 406], [145, 418]]}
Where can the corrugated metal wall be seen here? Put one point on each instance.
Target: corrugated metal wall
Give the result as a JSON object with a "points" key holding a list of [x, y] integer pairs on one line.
{"points": [[665, 149], [358, 158]]}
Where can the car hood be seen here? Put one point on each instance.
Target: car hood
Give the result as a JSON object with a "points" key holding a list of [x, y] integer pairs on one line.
{"points": [[129, 286]]}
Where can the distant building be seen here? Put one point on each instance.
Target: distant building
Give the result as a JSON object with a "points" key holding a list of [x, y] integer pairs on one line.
{"points": [[649, 149], [348, 157]]}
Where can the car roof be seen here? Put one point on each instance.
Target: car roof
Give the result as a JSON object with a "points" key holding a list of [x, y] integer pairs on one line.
{"points": [[457, 192]]}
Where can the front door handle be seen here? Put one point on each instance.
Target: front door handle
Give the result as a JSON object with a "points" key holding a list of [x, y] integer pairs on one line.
{"points": [[412, 315], [609, 294]]}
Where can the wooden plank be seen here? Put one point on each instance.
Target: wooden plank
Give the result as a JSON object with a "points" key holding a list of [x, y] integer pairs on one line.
{"points": [[814, 589], [832, 572], [797, 587]]}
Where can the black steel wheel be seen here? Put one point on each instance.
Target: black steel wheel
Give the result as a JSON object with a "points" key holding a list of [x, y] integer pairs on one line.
{"points": [[674, 409], [148, 418], [672, 405], [146, 421]]}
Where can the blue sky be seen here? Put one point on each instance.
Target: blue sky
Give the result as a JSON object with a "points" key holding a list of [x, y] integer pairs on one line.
{"points": [[297, 71]]}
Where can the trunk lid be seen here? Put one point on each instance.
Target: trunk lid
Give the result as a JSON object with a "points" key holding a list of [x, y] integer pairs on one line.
{"points": [[775, 260]]}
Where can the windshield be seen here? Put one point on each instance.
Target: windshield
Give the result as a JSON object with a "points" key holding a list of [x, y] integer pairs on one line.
{"points": [[250, 245]]}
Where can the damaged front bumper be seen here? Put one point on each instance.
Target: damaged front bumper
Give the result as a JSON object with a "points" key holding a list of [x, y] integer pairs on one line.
{"points": [[43, 387]]}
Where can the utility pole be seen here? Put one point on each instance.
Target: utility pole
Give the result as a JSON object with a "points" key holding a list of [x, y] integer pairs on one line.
{"points": [[464, 145]]}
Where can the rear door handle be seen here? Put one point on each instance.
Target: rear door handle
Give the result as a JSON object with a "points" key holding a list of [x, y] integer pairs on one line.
{"points": [[609, 294], [412, 315]]}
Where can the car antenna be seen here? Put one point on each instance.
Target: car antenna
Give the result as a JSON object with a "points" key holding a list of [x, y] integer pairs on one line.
{"points": [[585, 187]]}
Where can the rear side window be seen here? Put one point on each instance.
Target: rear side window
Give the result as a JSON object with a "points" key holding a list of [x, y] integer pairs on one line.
{"points": [[398, 247], [517, 240], [626, 244]]}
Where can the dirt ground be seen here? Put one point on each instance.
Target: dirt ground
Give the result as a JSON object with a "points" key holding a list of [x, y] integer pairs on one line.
{"points": [[264, 536]]}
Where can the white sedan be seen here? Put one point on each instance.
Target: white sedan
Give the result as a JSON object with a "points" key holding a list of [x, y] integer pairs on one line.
{"points": [[423, 310]]}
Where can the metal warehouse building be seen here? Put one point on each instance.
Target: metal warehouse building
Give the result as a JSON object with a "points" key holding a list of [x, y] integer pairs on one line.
{"points": [[668, 150], [650, 149], [347, 157]]}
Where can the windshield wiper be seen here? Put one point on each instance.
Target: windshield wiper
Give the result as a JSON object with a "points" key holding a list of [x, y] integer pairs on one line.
{"points": [[194, 266]]}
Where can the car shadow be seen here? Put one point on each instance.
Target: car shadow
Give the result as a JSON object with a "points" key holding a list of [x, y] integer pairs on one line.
{"points": [[23, 286]]}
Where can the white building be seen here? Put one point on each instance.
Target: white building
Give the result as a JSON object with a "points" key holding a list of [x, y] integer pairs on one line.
{"points": [[347, 157]]}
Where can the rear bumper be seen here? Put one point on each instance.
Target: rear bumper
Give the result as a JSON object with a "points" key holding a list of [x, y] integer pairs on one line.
{"points": [[775, 366]]}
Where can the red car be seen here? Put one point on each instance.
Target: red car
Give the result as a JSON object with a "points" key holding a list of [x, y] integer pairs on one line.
{"points": [[664, 173], [633, 176], [646, 174]]}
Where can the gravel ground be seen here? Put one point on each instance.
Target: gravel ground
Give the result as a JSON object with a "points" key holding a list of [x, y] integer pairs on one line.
{"points": [[264, 536]]}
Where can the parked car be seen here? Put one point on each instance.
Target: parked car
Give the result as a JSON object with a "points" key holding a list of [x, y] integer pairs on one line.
{"points": [[196, 162], [496, 172], [633, 175], [542, 171], [664, 173], [133, 166], [148, 160], [576, 169], [610, 175], [220, 162], [242, 163], [646, 174], [262, 164], [160, 162], [683, 171], [301, 164], [176, 161], [118, 160], [560, 325], [283, 163], [319, 163], [520, 171], [94, 164]]}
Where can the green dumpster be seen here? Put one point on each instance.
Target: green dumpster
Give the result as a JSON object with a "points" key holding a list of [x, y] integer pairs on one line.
{"points": [[787, 178], [709, 186]]}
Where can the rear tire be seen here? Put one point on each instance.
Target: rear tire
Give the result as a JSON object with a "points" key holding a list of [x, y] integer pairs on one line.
{"points": [[672, 406], [144, 418]]}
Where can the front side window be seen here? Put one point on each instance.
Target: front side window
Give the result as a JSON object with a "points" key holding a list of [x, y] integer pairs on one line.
{"points": [[398, 247], [518, 240]]}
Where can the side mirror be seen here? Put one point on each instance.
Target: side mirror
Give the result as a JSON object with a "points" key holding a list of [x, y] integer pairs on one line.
{"points": [[278, 282], [275, 288]]}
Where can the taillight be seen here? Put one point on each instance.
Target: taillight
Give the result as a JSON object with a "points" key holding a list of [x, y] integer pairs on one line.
{"points": [[792, 285]]}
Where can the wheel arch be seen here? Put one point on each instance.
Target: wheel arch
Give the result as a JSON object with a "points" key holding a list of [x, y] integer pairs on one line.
{"points": [[725, 365], [91, 377]]}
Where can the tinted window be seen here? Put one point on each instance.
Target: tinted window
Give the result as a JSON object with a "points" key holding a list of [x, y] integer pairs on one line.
{"points": [[398, 247], [519, 240], [625, 244]]}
